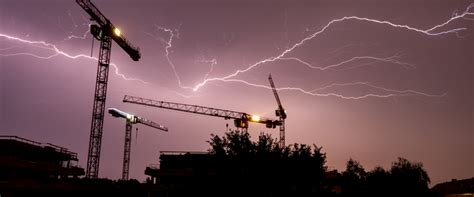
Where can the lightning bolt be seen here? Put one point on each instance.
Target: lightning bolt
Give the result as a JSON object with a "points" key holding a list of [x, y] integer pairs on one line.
{"points": [[390, 59], [433, 31], [465, 15], [390, 92], [400, 92], [85, 22], [212, 62], [168, 45], [82, 37], [55, 51]]}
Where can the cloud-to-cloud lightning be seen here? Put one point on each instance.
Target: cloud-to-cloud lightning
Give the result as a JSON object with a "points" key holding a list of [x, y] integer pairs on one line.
{"points": [[390, 59], [55, 51], [212, 62], [433, 31], [168, 45], [389, 92], [172, 35], [436, 30]]}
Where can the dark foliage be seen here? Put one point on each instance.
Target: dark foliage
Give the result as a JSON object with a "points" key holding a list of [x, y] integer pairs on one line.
{"points": [[299, 169], [238, 166], [404, 178], [263, 167]]}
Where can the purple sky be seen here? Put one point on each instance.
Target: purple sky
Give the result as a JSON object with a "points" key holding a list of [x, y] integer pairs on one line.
{"points": [[384, 90]]}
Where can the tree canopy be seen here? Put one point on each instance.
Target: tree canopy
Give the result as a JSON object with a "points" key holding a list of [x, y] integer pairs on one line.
{"points": [[261, 167], [405, 178], [293, 169]]}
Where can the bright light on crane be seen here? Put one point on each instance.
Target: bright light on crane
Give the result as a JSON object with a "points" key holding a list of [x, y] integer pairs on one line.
{"points": [[255, 118], [241, 119], [117, 31], [98, 110], [129, 117]]}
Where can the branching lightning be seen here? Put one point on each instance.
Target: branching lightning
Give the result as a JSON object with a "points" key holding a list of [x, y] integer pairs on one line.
{"points": [[55, 51], [82, 37], [85, 22], [389, 92], [468, 14], [168, 45], [433, 31], [212, 62], [390, 59]]}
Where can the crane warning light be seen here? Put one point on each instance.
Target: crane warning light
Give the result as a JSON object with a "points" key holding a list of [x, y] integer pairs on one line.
{"points": [[255, 118], [117, 32]]}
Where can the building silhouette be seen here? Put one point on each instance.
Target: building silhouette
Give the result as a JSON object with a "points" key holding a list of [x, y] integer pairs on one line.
{"points": [[24, 161]]}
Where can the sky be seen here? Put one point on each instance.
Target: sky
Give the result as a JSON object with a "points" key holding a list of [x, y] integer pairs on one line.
{"points": [[368, 80]]}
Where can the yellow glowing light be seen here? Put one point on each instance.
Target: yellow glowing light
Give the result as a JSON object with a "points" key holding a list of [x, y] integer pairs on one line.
{"points": [[117, 31], [129, 116], [255, 118]]}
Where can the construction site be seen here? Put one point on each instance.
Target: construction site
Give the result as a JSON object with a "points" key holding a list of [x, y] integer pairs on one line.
{"points": [[30, 167], [233, 165]]}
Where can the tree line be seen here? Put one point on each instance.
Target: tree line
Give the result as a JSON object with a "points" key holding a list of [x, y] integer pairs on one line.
{"points": [[264, 168]]}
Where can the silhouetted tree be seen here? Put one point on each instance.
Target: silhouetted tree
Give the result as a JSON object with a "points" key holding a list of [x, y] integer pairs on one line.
{"points": [[405, 178], [409, 177], [353, 178], [378, 182], [320, 158], [265, 167], [239, 143], [218, 145]]}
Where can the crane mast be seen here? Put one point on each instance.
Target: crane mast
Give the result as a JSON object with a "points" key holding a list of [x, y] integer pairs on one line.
{"points": [[130, 120], [241, 119], [280, 112], [127, 149], [104, 31]]}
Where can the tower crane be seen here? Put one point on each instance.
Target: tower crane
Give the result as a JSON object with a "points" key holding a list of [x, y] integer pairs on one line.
{"points": [[104, 31], [131, 119], [280, 112], [241, 119]]}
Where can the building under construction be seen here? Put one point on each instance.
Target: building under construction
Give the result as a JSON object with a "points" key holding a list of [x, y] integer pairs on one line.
{"points": [[177, 167], [24, 160], [196, 173]]}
